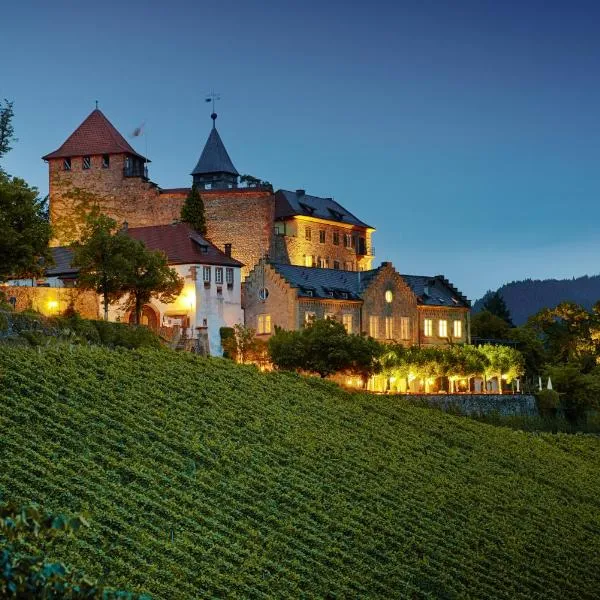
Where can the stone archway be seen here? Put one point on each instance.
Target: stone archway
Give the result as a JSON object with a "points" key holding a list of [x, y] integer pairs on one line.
{"points": [[149, 317]]}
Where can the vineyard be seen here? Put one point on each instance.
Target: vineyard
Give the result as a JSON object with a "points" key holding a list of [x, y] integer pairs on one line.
{"points": [[200, 478]]}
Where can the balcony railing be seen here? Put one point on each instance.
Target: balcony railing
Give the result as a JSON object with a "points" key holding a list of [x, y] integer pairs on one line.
{"points": [[135, 171]]}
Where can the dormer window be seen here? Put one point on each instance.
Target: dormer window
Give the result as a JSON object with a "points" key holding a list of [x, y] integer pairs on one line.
{"points": [[86, 163], [66, 164], [105, 161]]}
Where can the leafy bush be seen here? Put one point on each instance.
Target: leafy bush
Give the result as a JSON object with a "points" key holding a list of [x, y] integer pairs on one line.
{"points": [[25, 572], [547, 401], [228, 342], [3, 322]]}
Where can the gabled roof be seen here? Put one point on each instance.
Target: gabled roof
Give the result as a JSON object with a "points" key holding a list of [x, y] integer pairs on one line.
{"points": [[214, 157], [325, 283], [96, 135], [291, 204], [332, 283], [435, 291], [182, 245]]}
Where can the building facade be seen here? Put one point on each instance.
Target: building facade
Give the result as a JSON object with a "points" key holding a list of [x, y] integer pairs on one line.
{"points": [[382, 303]]}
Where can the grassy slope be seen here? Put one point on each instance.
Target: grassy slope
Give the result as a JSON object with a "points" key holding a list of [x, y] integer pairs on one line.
{"points": [[275, 486]]}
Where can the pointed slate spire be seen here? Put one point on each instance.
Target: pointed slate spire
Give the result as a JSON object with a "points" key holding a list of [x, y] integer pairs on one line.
{"points": [[215, 169]]}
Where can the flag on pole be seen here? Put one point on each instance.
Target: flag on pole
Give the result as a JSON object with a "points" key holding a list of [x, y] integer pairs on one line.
{"points": [[138, 131]]}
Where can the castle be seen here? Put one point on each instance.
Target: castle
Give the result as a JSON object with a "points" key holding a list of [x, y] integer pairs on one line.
{"points": [[290, 256]]}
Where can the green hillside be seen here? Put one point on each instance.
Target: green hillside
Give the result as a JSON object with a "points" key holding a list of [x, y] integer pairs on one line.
{"points": [[206, 479]]}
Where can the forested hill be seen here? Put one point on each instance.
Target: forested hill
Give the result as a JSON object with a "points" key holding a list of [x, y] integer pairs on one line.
{"points": [[527, 297]]}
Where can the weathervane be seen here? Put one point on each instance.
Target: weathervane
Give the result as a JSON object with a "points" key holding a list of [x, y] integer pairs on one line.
{"points": [[212, 97]]}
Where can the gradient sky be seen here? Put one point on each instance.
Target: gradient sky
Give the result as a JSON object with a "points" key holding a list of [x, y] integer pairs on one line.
{"points": [[466, 132]]}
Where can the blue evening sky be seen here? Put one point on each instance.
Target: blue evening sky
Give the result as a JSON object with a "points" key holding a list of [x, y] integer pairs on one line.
{"points": [[466, 132]]}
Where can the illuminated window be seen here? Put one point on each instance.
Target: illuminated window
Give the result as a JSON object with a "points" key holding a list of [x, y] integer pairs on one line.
{"points": [[219, 275], [457, 329], [309, 316], [427, 327], [405, 328], [105, 161], [389, 296], [336, 238], [347, 322], [373, 326], [229, 275], [347, 240], [264, 324], [206, 274], [66, 164], [308, 261], [87, 162], [323, 263], [322, 236], [389, 328], [330, 315], [443, 328], [307, 233]]}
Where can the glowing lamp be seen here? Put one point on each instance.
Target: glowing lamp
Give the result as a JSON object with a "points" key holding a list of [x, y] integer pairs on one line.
{"points": [[52, 305]]}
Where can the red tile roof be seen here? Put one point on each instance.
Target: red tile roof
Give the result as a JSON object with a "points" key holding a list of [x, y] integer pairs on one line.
{"points": [[96, 135], [182, 245]]}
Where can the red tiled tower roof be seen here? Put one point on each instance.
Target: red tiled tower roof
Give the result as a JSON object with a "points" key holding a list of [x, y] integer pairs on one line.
{"points": [[96, 135]]}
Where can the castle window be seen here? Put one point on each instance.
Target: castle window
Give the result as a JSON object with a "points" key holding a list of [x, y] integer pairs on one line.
{"points": [[307, 233], [347, 240], [229, 275], [389, 296], [336, 264], [443, 328], [66, 164], [457, 329], [427, 327], [86, 163], [263, 324], [336, 238], [389, 328], [347, 322], [322, 236], [373, 326], [219, 275], [330, 316], [405, 328], [206, 274], [323, 263], [309, 317], [263, 294], [105, 161]]}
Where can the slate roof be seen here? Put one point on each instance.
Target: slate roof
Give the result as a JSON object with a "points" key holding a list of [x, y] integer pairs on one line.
{"points": [[214, 157], [333, 283], [96, 135], [290, 204], [325, 283], [63, 256], [182, 245], [435, 291]]}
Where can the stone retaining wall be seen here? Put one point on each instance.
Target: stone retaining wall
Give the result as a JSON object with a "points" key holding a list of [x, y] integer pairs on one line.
{"points": [[471, 404]]}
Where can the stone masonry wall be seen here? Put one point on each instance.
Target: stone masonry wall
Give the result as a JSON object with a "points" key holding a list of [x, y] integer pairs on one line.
{"points": [[450, 314], [404, 304], [280, 303], [473, 404], [73, 193], [292, 247], [54, 301], [243, 218]]}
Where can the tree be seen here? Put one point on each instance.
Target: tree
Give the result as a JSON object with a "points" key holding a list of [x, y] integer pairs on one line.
{"points": [[487, 325], [24, 232], [192, 211], [495, 304], [6, 127], [147, 275], [102, 258], [324, 347], [254, 182]]}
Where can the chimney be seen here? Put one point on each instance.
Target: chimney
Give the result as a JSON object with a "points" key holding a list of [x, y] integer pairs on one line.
{"points": [[300, 192], [228, 250]]}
